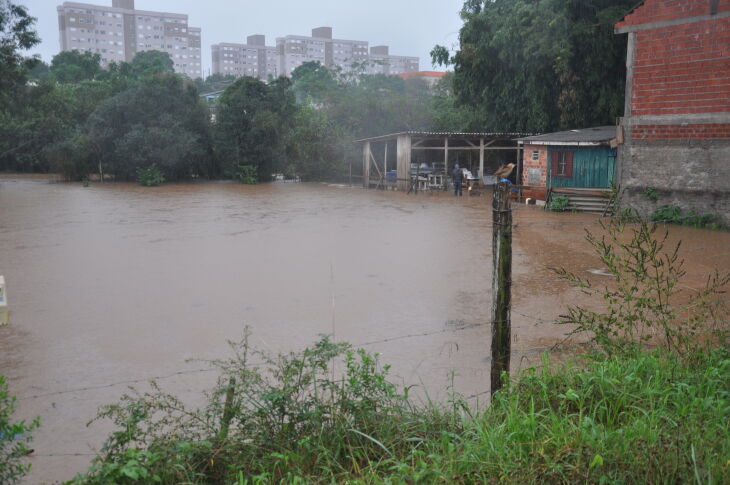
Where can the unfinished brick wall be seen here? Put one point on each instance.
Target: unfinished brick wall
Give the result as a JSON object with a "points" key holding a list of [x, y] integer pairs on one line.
{"points": [[677, 122], [541, 163], [682, 69], [663, 10]]}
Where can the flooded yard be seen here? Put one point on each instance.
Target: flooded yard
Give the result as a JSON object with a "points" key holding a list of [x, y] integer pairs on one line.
{"points": [[115, 284]]}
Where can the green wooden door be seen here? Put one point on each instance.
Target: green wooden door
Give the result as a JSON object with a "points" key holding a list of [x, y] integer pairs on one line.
{"points": [[591, 167]]}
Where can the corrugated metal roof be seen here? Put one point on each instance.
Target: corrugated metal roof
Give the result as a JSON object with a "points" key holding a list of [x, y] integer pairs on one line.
{"points": [[600, 135], [506, 136]]}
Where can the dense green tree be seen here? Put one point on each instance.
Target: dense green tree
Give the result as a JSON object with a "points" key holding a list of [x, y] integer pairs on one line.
{"points": [[149, 63], [74, 66], [540, 65], [40, 71], [316, 146], [312, 81], [252, 123], [16, 35], [158, 120], [448, 113], [379, 104]]}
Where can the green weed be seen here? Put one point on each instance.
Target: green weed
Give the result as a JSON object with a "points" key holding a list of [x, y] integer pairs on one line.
{"points": [[150, 176], [673, 214], [14, 439], [246, 174], [558, 203]]}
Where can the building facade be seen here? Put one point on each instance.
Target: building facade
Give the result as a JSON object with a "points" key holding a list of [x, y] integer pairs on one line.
{"points": [[118, 32], [252, 59], [292, 51], [677, 113], [584, 158], [381, 62], [295, 50]]}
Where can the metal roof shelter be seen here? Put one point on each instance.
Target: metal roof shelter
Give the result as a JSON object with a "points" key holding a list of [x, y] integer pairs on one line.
{"points": [[436, 150], [598, 136]]}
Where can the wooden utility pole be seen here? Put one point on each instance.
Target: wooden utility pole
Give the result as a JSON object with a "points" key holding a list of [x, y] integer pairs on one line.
{"points": [[501, 283]]}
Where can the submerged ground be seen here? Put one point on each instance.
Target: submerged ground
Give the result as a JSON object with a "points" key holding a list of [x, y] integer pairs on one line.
{"points": [[115, 284]]}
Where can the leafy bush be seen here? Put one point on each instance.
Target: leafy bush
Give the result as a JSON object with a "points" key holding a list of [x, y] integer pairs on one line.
{"points": [[150, 176], [284, 417], [673, 214], [246, 174], [14, 439], [558, 203], [642, 418], [646, 301]]}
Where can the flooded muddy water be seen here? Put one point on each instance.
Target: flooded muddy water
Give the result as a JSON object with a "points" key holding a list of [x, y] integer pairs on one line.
{"points": [[115, 284]]}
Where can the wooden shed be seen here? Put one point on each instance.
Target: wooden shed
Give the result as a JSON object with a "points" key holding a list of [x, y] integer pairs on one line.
{"points": [[580, 159], [396, 160]]}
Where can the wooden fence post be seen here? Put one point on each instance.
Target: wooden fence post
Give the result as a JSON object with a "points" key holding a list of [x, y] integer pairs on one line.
{"points": [[501, 283], [227, 410]]}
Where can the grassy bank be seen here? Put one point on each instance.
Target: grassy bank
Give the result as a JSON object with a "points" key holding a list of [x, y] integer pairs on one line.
{"points": [[640, 418]]}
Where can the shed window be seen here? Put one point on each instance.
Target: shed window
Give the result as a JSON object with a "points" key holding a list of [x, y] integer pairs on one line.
{"points": [[562, 164], [535, 156]]}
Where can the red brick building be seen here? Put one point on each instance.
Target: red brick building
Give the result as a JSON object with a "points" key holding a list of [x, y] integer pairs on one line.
{"points": [[677, 113]]}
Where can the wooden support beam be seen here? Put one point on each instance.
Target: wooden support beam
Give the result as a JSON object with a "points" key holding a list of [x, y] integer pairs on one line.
{"points": [[381, 175], [366, 164], [486, 147], [403, 153], [446, 155], [481, 159]]}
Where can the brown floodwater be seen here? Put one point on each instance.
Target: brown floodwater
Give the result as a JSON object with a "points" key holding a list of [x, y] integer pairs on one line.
{"points": [[115, 284]]}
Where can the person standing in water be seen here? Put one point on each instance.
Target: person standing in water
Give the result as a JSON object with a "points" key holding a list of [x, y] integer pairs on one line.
{"points": [[458, 178]]}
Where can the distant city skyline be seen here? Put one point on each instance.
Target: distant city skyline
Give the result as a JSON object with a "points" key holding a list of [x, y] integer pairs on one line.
{"points": [[408, 31]]}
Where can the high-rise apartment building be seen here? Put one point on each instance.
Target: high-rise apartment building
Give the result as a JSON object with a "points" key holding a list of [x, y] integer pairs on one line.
{"points": [[294, 50], [118, 32], [252, 59], [381, 62]]}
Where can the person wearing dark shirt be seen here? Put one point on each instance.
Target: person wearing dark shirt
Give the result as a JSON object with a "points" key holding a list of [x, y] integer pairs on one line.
{"points": [[458, 178]]}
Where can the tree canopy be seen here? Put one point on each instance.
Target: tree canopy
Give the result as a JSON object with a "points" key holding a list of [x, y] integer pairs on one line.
{"points": [[74, 66], [540, 65], [16, 34], [251, 123], [148, 63]]}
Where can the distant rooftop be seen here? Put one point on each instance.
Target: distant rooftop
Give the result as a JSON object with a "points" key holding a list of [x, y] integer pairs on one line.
{"points": [[600, 135], [425, 134], [434, 74]]}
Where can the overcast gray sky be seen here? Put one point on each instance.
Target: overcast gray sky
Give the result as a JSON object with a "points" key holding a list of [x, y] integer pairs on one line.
{"points": [[409, 27]]}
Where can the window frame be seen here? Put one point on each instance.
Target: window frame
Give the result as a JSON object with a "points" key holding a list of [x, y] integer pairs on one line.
{"points": [[562, 159]]}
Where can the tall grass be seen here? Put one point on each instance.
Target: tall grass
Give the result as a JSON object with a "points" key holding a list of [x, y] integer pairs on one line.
{"points": [[643, 418], [650, 418]]}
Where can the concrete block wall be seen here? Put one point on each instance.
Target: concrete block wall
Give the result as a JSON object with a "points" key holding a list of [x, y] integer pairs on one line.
{"points": [[691, 174]]}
